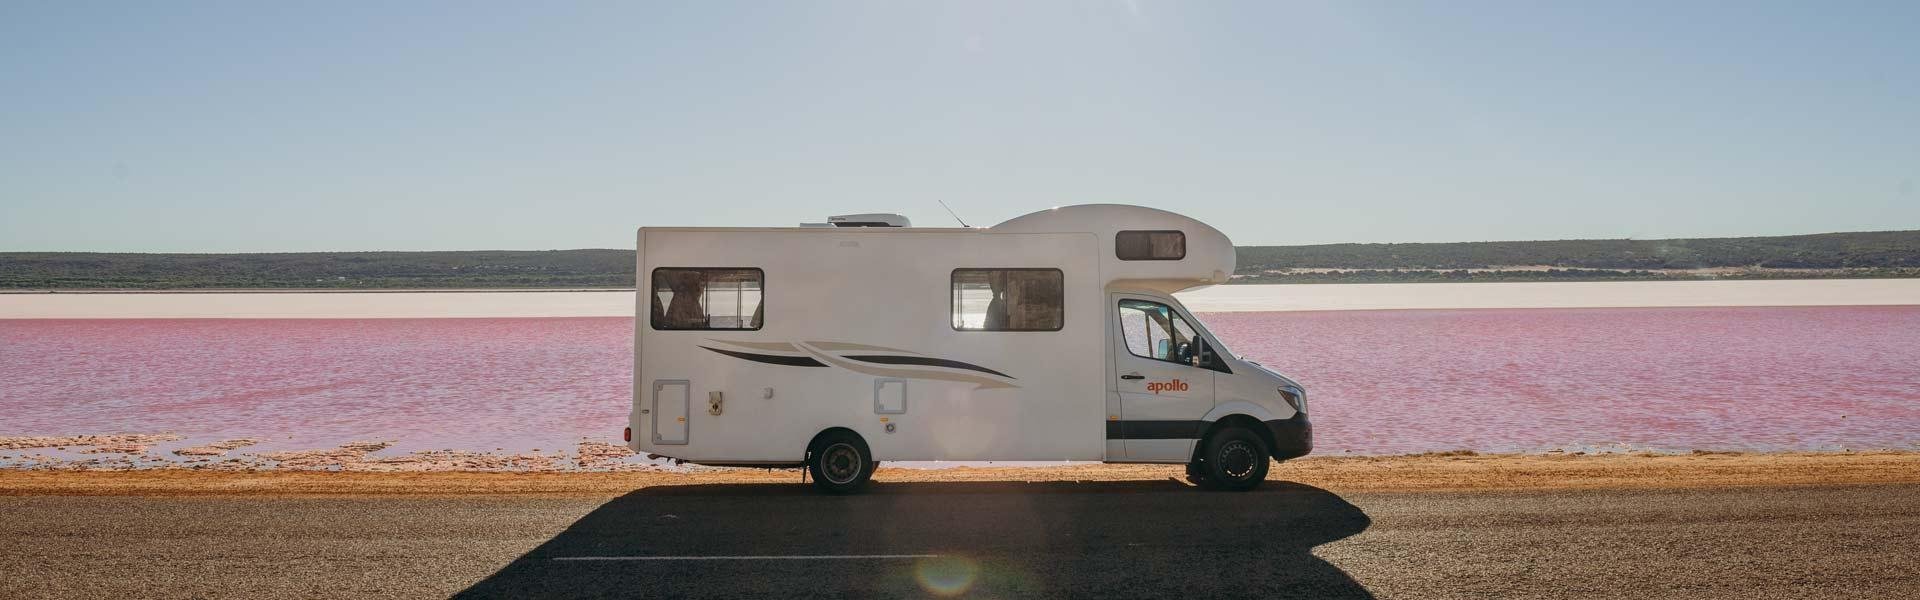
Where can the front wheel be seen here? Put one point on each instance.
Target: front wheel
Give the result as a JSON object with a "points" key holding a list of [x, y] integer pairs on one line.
{"points": [[840, 462], [1234, 459]]}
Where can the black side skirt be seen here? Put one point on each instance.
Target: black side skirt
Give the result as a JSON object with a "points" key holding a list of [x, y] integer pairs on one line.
{"points": [[1155, 430], [1292, 437]]}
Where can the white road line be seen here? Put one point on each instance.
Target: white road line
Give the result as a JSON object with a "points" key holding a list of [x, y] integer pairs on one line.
{"points": [[785, 557]]}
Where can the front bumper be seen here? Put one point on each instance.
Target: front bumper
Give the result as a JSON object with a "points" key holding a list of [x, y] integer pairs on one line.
{"points": [[1292, 438]]}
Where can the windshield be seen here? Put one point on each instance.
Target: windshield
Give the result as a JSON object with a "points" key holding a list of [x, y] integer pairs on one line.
{"points": [[1213, 341]]}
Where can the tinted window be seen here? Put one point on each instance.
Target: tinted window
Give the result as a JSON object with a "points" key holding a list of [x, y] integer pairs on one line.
{"points": [[707, 298], [1150, 245], [1009, 299]]}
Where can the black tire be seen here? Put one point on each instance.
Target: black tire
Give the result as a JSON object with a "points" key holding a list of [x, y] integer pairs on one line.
{"points": [[1234, 459], [840, 462]]}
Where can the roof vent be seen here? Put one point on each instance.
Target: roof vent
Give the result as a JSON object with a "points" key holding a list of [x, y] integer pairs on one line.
{"points": [[869, 220]]}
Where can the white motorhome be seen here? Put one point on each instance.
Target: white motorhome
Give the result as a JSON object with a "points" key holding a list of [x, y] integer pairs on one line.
{"points": [[1052, 336]]}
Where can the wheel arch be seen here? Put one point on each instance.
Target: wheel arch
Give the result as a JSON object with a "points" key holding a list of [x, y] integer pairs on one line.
{"points": [[1258, 412], [814, 444], [1237, 419]]}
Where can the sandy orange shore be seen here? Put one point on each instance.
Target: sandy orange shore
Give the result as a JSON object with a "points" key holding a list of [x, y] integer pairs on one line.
{"points": [[1428, 472]]}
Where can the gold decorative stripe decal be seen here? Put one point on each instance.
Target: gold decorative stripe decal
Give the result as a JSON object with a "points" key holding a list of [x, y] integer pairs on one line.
{"points": [[981, 382], [877, 365], [770, 346], [844, 346]]}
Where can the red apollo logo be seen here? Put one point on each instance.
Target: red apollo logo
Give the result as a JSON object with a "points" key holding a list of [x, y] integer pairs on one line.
{"points": [[1169, 386]]}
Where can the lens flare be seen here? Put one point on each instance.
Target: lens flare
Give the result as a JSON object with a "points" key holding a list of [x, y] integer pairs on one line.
{"points": [[946, 576]]}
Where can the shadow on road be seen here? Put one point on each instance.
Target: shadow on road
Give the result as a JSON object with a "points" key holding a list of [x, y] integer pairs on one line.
{"points": [[1154, 539]]}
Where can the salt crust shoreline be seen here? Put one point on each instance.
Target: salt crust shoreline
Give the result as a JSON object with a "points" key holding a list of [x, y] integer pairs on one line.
{"points": [[1431, 472]]}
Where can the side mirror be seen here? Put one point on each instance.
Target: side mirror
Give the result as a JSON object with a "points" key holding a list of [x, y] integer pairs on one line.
{"points": [[1200, 356]]}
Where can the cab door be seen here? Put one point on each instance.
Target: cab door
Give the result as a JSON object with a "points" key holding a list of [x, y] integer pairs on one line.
{"points": [[1162, 394]]}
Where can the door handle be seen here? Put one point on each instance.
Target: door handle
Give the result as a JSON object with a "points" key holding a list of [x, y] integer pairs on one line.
{"points": [[1133, 376]]}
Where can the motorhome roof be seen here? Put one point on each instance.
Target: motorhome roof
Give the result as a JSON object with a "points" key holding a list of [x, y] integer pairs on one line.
{"points": [[823, 228], [1080, 218], [1206, 255]]}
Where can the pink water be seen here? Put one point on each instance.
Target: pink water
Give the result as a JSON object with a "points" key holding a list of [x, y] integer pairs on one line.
{"points": [[1668, 379], [1379, 382]]}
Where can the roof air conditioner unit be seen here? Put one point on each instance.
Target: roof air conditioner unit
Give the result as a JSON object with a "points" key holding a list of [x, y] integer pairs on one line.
{"points": [[870, 220]]}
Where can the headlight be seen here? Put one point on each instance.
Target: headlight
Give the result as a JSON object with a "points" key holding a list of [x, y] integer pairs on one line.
{"points": [[1295, 398]]}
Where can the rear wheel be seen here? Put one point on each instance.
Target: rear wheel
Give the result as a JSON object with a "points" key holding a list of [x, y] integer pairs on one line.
{"points": [[840, 462], [1233, 459]]}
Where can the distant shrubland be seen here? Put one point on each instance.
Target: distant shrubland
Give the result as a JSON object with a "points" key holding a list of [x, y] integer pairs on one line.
{"points": [[1867, 254], [371, 270], [1874, 249], [1863, 254]]}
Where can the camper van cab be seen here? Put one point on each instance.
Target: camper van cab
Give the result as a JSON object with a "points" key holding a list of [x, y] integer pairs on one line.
{"points": [[1052, 336]]}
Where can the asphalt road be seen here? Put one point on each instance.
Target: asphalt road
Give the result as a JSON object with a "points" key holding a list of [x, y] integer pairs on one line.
{"points": [[1139, 539]]}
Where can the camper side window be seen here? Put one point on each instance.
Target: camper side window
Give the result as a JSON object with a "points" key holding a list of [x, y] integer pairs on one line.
{"points": [[707, 298], [1009, 299], [1150, 245]]}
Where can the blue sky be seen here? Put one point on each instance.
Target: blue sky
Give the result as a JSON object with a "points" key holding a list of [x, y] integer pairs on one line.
{"points": [[260, 126]]}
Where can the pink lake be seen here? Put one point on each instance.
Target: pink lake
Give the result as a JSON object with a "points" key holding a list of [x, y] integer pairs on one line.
{"points": [[1379, 382]]}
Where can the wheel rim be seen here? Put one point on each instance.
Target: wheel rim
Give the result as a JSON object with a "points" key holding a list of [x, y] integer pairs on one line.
{"points": [[840, 463], [1237, 459]]}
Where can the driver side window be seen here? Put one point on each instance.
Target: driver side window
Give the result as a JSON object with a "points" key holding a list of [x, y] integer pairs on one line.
{"points": [[1153, 330]]}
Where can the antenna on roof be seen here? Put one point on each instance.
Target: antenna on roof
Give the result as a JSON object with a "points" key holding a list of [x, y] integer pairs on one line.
{"points": [[956, 216]]}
